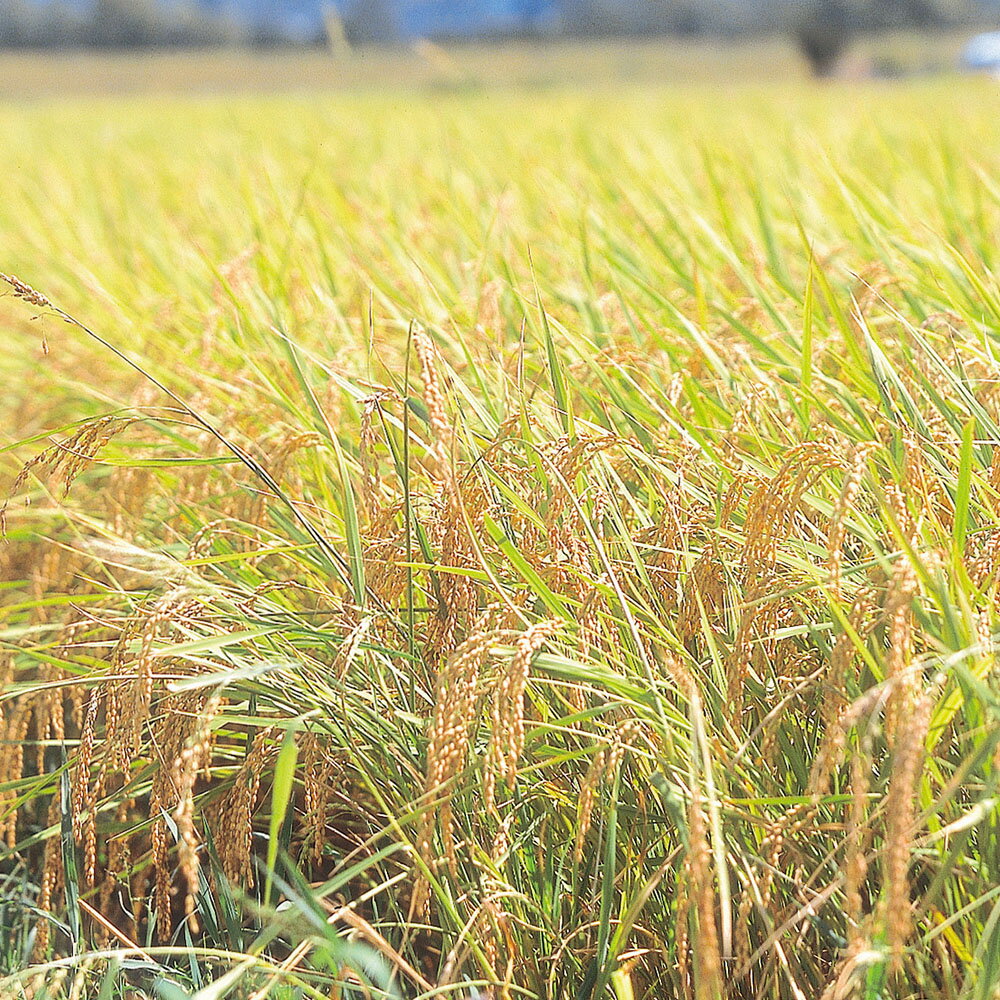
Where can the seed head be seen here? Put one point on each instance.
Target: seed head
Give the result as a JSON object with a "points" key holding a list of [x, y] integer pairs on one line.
{"points": [[25, 291]]}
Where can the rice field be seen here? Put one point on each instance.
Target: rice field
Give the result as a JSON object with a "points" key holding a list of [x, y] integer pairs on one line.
{"points": [[509, 543]]}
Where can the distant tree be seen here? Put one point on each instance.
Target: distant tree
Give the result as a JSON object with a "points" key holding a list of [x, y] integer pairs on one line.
{"points": [[634, 17], [371, 21], [824, 29], [30, 24], [579, 17], [823, 32], [61, 26], [14, 23], [190, 25], [125, 24]]}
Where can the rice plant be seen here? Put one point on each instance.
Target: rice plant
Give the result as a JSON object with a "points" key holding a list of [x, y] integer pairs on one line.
{"points": [[502, 545]]}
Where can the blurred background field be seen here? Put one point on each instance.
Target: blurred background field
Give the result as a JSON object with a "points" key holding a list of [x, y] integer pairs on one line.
{"points": [[540, 65], [607, 63]]}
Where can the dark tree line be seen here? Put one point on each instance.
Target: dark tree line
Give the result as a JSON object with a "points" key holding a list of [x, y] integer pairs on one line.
{"points": [[823, 29], [123, 24]]}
